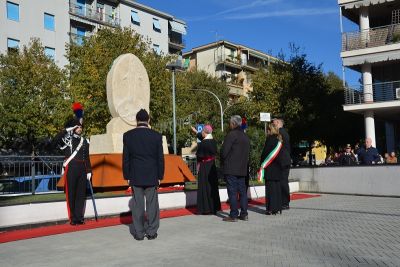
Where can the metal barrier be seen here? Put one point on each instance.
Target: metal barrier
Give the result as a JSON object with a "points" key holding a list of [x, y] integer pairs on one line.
{"points": [[29, 174], [381, 92], [372, 37]]}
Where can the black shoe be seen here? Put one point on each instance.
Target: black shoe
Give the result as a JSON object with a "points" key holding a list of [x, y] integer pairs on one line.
{"points": [[152, 237], [72, 223], [138, 238], [80, 222], [244, 218], [268, 212], [229, 219], [285, 207]]}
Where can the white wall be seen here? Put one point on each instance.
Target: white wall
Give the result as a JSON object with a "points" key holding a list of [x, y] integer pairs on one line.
{"points": [[31, 24], [377, 180], [206, 61], [56, 211]]}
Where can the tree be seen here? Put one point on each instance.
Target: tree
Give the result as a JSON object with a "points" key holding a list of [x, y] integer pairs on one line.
{"points": [[33, 98]]}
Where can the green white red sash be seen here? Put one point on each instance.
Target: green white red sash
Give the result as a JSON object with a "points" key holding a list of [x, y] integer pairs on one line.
{"points": [[268, 160]]}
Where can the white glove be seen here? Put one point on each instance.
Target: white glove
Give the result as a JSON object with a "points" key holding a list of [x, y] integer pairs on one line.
{"points": [[70, 129], [89, 176]]}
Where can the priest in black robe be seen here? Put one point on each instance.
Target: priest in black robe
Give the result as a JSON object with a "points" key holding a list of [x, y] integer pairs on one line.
{"points": [[208, 201]]}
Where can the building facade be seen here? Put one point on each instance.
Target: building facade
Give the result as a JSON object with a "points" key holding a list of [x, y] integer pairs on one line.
{"points": [[230, 62], [58, 22], [374, 52]]}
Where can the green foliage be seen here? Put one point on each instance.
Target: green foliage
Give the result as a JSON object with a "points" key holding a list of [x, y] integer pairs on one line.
{"points": [[33, 98]]}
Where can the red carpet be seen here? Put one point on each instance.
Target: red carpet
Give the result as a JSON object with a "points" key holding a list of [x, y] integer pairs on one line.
{"points": [[15, 235]]}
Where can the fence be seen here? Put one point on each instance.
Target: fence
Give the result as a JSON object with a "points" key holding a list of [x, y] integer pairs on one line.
{"points": [[372, 37], [381, 92], [29, 174]]}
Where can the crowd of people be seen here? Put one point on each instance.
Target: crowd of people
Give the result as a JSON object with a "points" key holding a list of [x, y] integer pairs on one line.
{"points": [[364, 155], [234, 158]]}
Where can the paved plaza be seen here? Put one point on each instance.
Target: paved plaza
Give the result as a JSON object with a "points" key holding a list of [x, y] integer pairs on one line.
{"points": [[331, 230]]}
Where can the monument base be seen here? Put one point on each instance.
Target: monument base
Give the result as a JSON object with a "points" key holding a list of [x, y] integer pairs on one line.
{"points": [[107, 171]]}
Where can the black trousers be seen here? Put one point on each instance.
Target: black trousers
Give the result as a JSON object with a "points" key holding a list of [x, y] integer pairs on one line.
{"points": [[76, 183], [285, 187]]}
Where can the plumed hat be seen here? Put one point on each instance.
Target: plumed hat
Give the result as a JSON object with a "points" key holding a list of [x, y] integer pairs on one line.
{"points": [[78, 110]]}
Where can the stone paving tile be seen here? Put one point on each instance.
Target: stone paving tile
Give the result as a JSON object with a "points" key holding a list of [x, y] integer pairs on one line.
{"points": [[332, 230]]}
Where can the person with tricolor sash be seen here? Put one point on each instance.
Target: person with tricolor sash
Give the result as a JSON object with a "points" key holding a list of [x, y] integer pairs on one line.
{"points": [[270, 171]]}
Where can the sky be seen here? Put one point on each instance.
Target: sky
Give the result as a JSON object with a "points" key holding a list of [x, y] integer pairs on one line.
{"points": [[266, 25]]}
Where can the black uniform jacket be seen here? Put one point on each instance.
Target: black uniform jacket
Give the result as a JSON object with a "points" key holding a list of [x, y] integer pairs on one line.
{"points": [[83, 153], [235, 153], [143, 158]]}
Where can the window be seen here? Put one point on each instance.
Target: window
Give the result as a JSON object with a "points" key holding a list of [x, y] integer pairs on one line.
{"points": [[49, 22], [12, 44], [12, 11], [135, 18], [80, 35], [50, 52], [156, 25], [156, 48]]}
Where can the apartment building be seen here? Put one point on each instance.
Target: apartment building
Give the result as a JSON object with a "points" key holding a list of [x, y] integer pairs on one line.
{"points": [[230, 62], [58, 22], [374, 52]]}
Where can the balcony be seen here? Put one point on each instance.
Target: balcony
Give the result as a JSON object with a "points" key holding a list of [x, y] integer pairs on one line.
{"points": [[93, 15], [381, 92], [229, 60], [373, 37], [177, 42], [235, 89]]}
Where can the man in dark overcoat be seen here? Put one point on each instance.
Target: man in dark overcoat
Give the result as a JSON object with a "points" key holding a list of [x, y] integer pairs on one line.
{"points": [[143, 166], [235, 155]]}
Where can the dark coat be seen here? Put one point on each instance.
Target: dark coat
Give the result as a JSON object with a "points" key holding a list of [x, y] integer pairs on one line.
{"points": [[274, 171], [235, 153], [347, 159], [143, 158], [368, 155], [285, 158]]}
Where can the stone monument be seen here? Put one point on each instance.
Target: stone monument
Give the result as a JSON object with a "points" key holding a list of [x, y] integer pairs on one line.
{"points": [[128, 91]]}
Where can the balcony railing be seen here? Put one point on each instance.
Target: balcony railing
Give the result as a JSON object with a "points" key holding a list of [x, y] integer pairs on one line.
{"points": [[381, 92], [228, 59], [373, 37], [177, 41], [110, 19]]}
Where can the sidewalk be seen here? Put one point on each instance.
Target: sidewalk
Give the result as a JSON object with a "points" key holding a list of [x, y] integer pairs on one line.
{"points": [[330, 230]]}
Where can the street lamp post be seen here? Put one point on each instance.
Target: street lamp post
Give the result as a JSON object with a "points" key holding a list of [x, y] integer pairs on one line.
{"points": [[219, 102], [173, 67]]}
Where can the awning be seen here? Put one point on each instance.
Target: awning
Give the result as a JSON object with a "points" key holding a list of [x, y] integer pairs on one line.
{"points": [[178, 27], [371, 58], [135, 17], [358, 4], [156, 24]]}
